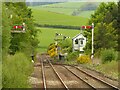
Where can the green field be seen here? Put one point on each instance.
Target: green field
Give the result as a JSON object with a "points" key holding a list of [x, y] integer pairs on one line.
{"points": [[51, 18], [57, 10], [66, 8], [63, 8], [66, 4], [86, 13], [47, 35]]}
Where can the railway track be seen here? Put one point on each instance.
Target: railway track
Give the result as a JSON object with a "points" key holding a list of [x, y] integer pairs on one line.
{"points": [[93, 82], [56, 73], [43, 75], [86, 77], [108, 84]]}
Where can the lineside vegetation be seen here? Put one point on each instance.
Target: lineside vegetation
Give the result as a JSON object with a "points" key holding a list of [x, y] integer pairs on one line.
{"points": [[17, 47]]}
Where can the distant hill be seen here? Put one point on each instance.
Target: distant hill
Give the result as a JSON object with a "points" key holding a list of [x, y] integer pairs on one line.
{"points": [[84, 9], [39, 3]]}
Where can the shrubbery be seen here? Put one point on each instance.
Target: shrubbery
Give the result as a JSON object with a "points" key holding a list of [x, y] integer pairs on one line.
{"points": [[52, 50], [16, 70], [72, 56], [83, 59], [108, 55]]}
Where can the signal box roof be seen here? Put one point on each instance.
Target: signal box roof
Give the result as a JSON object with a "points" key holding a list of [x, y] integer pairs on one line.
{"points": [[77, 36]]}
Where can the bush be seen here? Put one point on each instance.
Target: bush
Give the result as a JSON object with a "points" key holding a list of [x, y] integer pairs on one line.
{"points": [[72, 56], [66, 43], [108, 55], [83, 59], [16, 70], [52, 50]]}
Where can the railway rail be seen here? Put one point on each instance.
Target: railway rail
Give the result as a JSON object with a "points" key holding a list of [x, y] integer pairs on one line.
{"points": [[44, 77], [112, 86], [72, 70], [101, 82], [58, 75]]}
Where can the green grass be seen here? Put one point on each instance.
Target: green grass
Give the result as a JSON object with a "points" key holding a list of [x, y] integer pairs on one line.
{"points": [[66, 8], [58, 10], [68, 11], [64, 4], [45, 17], [46, 36], [63, 8], [109, 69], [86, 14], [16, 70]]}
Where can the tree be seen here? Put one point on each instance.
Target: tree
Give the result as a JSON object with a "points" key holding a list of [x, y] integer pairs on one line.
{"points": [[5, 30], [22, 42], [118, 26], [103, 37], [105, 20]]}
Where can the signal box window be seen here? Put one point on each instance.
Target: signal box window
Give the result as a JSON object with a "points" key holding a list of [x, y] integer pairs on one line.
{"points": [[76, 41], [81, 42]]}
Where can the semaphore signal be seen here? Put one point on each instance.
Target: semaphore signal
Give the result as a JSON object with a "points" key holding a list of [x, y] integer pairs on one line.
{"points": [[19, 28], [16, 27], [90, 27], [86, 27]]}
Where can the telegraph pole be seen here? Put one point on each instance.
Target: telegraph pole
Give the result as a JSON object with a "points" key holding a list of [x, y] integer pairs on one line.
{"points": [[92, 41]]}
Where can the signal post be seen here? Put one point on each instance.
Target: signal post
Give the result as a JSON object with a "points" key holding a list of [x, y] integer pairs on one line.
{"points": [[91, 27]]}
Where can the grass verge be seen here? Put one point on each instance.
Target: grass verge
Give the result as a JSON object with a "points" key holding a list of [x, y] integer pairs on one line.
{"points": [[109, 69], [16, 70]]}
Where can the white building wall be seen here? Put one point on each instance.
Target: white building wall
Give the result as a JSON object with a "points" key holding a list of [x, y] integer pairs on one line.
{"points": [[79, 46]]}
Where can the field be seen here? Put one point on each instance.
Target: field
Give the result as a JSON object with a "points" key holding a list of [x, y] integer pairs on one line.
{"points": [[67, 8], [63, 8], [86, 13], [47, 35], [66, 4], [52, 18]]}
